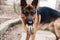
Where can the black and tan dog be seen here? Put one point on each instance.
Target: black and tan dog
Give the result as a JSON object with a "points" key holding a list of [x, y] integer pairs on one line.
{"points": [[33, 18], [29, 17]]}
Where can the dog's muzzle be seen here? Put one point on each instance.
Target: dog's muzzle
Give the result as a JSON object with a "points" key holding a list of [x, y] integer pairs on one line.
{"points": [[29, 22]]}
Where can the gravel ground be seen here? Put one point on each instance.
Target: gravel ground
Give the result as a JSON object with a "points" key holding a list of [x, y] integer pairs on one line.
{"points": [[12, 33], [17, 33]]}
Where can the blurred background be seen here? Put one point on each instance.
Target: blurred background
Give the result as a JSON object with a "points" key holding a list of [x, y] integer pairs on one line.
{"points": [[11, 8]]}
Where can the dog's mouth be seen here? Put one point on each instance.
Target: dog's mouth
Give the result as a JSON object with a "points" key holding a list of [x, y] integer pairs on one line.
{"points": [[30, 22]]}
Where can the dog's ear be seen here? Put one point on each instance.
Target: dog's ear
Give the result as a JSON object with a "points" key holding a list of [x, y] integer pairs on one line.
{"points": [[35, 3], [23, 3]]}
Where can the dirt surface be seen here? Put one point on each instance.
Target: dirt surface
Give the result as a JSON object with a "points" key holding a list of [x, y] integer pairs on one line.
{"points": [[12, 33], [17, 33]]}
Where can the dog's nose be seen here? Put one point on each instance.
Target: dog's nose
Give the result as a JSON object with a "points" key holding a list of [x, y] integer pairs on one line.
{"points": [[29, 22]]}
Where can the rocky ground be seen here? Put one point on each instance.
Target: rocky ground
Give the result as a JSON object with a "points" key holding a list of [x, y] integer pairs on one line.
{"points": [[17, 33], [12, 33], [7, 13]]}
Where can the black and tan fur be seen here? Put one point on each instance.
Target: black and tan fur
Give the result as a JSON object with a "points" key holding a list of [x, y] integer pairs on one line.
{"points": [[41, 16]]}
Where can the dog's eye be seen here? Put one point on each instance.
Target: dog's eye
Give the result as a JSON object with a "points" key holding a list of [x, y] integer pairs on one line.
{"points": [[25, 13]]}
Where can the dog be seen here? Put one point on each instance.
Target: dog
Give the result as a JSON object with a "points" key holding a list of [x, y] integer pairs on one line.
{"points": [[34, 17], [28, 17]]}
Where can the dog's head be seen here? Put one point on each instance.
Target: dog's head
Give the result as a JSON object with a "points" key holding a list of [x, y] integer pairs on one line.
{"points": [[29, 12]]}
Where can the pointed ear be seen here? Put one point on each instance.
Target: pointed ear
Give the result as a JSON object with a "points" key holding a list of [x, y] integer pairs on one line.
{"points": [[35, 3], [23, 3]]}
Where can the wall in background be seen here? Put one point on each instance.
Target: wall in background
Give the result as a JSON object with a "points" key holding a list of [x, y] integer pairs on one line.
{"points": [[48, 3]]}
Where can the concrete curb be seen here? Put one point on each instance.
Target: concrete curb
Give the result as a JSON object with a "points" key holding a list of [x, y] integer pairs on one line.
{"points": [[4, 26]]}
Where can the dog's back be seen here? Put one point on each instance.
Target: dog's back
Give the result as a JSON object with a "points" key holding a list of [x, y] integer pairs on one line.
{"points": [[48, 14]]}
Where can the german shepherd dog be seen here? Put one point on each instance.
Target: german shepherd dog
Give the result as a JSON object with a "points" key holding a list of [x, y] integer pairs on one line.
{"points": [[34, 18]]}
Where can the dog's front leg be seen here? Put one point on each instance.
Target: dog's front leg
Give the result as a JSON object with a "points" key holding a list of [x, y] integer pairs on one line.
{"points": [[27, 36], [33, 36], [27, 32]]}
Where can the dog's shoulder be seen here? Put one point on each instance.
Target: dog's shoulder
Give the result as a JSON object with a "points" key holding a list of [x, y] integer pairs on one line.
{"points": [[47, 14]]}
